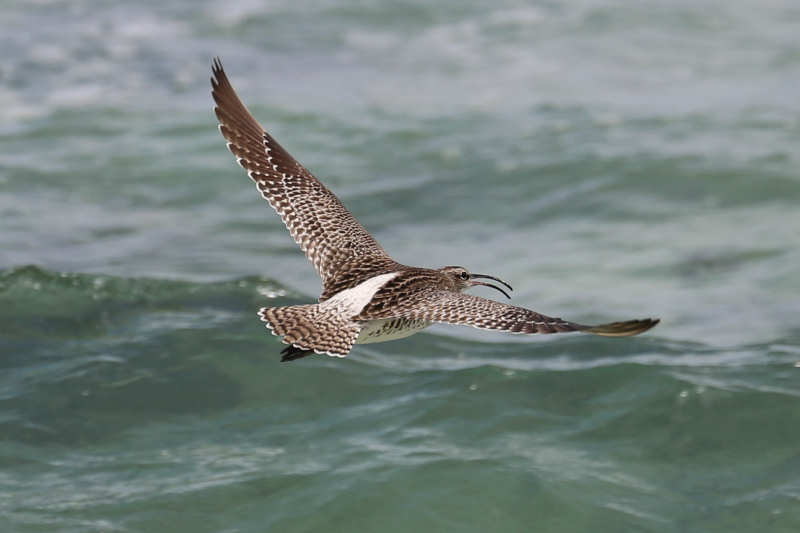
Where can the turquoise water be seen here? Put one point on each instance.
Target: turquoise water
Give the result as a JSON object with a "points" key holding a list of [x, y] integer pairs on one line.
{"points": [[612, 161]]}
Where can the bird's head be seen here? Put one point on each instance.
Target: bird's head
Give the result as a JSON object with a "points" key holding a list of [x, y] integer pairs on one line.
{"points": [[459, 278]]}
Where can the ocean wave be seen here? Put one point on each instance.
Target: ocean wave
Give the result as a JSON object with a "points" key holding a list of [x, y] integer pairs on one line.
{"points": [[31, 296]]}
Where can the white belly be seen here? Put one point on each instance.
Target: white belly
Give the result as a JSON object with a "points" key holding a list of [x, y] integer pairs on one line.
{"points": [[389, 329]]}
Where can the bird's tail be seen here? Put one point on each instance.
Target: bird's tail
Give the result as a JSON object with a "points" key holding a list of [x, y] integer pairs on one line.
{"points": [[311, 328], [622, 329]]}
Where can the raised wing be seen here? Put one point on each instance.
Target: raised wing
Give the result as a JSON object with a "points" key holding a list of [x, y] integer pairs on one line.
{"points": [[325, 230], [459, 308]]}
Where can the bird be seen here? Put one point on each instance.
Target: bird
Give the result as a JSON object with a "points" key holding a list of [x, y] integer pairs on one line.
{"points": [[366, 295]]}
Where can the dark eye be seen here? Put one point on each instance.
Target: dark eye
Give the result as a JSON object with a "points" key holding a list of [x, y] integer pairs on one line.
{"points": [[464, 275]]}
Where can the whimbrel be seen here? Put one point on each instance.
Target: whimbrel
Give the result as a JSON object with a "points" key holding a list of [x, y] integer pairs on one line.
{"points": [[367, 296]]}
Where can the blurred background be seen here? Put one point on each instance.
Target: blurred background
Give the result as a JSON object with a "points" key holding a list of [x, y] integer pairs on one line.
{"points": [[612, 160]]}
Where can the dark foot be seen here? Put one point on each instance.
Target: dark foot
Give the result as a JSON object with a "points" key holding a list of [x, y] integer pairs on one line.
{"points": [[290, 353]]}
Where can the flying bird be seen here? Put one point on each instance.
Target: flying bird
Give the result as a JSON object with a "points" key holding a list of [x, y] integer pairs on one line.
{"points": [[367, 296]]}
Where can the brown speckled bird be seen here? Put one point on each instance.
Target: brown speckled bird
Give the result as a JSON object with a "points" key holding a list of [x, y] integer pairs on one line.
{"points": [[367, 296]]}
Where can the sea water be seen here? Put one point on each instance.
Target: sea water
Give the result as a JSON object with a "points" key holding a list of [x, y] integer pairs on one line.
{"points": [[611, 160]]}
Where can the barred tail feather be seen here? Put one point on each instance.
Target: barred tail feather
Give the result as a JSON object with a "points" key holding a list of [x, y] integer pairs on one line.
{"points": [[311, 328], [622, 329]]}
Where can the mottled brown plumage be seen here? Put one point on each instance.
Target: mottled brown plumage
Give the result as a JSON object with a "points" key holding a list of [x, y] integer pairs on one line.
{"points": [[434, 296], [366, 296], [325, 230], [321, 330]]}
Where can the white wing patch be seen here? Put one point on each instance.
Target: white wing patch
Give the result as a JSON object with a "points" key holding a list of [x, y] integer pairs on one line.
{"points": [[352, 301]]}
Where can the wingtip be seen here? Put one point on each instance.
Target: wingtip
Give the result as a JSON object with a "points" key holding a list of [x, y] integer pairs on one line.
{"points": [[627, 328], [217, 71]]}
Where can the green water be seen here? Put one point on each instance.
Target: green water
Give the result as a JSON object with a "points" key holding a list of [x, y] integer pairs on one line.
{"points": [[612, 161]]}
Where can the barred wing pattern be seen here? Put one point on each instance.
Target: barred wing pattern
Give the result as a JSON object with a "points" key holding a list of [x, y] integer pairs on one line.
{"points": [[325, 230], [459, 308]]}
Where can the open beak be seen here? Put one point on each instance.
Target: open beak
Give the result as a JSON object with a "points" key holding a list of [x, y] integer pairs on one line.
{"points": [[484, 276]]}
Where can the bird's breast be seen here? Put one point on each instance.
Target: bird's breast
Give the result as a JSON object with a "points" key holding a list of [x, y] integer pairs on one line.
{"points": [[388, 329]]}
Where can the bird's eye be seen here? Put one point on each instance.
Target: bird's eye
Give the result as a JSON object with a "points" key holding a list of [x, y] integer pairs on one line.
{"points": [[464, 275]]}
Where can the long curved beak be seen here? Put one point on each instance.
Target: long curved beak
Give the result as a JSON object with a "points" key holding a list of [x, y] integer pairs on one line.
{"points": [[484, 276]]}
